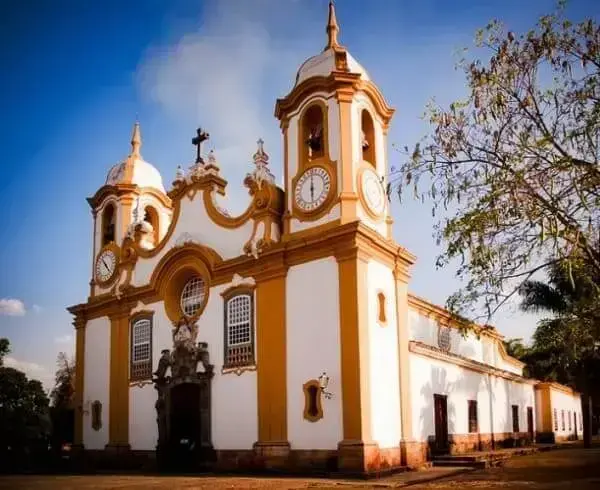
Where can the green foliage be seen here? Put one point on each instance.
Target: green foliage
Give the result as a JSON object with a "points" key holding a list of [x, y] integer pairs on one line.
{"points": [[61, 395], [565, 346], [23, 409], [4, 349], [513, 168]]}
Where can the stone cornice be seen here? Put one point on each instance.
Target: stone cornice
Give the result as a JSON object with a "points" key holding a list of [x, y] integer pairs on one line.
{"points": [[434, 353]]}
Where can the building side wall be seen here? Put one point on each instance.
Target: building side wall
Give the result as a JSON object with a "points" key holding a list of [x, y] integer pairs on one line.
{"points": [[494, 396], [383, 355], [313, 347], [96, 381], [571, 405]]}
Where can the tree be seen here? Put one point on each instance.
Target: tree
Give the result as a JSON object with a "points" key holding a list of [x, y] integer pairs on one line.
{"points": [[61, 399], [4, 349], [565, 347], [514, 166], [24, 421], [64, 386]]}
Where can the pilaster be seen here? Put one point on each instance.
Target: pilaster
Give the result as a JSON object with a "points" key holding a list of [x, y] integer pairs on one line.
{"points": [[118, 410], [80, 325], [272, 447], [356, 451]]}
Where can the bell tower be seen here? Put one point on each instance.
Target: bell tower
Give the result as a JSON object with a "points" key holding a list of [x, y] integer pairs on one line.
{"points": [[334, 123], [132, 201]]}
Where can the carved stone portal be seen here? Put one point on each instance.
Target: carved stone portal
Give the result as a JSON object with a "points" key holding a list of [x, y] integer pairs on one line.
{"points": [[183, 404]]}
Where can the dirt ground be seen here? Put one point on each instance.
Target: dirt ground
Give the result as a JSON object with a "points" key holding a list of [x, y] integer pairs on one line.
{"points": [[573, 468]]}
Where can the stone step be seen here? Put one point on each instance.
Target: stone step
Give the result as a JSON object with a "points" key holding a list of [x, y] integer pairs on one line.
{"points": [[463, 463]]}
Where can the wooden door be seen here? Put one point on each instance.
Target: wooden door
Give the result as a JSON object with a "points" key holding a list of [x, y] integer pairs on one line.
{"points": [[530, 422], [440, 403]]}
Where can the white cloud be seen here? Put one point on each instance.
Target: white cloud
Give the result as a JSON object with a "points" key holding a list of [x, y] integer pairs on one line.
{"points": [[223, 76], [12, 307], [32, 370], [64, 339]]}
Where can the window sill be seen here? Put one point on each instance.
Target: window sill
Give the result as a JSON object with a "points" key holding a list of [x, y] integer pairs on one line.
{"points": [[140, 383], [238, 370]]}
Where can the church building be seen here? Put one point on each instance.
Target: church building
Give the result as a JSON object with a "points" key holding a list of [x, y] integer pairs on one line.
{"points": [[285, 337]]}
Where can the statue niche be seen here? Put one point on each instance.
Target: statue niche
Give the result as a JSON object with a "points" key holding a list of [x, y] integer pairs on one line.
{"points": [[183, 404]]}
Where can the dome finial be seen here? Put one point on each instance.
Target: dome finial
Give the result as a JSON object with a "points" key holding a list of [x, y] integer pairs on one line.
{"points": [[136, 140], [332, 28]]}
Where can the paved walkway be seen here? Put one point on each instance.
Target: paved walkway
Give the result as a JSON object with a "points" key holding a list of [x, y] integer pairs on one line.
{"points": [[572, 468]]}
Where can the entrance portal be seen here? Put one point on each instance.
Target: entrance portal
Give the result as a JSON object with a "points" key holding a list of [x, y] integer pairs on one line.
{"points": [[183, 406]]}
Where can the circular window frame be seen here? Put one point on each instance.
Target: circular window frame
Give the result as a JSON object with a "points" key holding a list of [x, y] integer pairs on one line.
{"points": [[173, 282], [196, 277]]}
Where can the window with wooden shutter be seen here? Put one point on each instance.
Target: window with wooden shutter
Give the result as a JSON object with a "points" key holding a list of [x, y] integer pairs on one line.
{"points": [[239, 330], [515, 418], [140, 359], [473, 423]]}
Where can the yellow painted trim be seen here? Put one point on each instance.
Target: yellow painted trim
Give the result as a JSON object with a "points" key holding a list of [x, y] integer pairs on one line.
{"points": [[118, 418], [401, 292], [80, 325], [546, 408], [354, 341], [271, 358], [558, 387]]}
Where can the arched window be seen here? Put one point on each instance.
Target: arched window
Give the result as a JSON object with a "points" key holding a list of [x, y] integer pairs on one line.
{"points": [[141, 348], [381, 308], [239, 331], [151, 216], [367, 137], [313, 133], [108, 225]]}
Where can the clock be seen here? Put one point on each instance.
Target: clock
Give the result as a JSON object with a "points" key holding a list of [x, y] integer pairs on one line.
{"points": [[106, 265], [372, 192], [312, 189]]}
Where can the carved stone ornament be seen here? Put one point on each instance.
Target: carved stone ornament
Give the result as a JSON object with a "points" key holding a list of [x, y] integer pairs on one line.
{"points": [[177, 372]]}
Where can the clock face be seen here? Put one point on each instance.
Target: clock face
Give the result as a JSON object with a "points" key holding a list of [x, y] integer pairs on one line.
{"points": [[106, 264], [372, 189], [312, 189]]}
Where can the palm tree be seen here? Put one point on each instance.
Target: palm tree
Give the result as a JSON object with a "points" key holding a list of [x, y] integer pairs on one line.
{"points": [[565, 346]]}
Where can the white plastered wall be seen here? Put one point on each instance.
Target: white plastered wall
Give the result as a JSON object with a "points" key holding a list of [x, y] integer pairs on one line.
{"points": [[313, 347], [383, 354], [195, 224], [361, 101], [494, 397], [96, 374], [570, 404], [234, 408]]}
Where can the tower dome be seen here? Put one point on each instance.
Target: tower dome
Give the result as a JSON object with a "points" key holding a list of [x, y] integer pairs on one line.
{"points": [[333, 58], [134, 169]]}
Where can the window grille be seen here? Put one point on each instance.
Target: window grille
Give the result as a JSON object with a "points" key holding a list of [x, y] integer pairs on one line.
{"points": [[141, 349], [192, 296], [239, 331]]}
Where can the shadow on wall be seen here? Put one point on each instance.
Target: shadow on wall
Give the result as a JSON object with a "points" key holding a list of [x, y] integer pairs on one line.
{"points": [[437, 417]]}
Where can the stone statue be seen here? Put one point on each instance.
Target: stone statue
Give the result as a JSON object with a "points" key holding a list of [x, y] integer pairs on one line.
{"points": [[163, 364], [202, 356]]}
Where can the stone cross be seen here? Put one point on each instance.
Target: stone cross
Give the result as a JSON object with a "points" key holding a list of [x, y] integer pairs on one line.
{"points": [[201, 136]]}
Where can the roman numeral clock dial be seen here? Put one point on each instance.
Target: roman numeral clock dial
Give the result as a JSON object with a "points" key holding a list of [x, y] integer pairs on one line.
{"points": [[106, 266], [312, 189]]}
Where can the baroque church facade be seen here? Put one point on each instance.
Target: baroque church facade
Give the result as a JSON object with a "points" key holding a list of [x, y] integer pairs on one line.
{"points": [[286, 337]]}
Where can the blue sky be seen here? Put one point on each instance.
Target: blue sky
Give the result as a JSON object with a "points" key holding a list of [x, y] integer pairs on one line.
{"points": [[77, 74]]}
